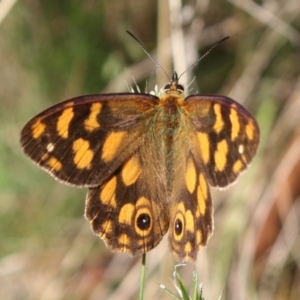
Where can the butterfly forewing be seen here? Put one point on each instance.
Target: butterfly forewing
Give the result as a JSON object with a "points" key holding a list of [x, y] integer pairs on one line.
{"points": [[82, 141], [226, 137]]}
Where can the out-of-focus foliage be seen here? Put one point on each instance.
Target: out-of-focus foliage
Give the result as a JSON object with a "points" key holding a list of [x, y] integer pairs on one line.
{"points": [[54, 50]]}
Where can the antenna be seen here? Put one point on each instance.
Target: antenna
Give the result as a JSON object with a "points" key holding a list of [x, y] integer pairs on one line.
{"points": [[190, 67], [149, 55], [202, 56]]}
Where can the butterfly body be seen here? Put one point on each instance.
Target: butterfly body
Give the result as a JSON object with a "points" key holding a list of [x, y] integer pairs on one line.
{"points": [[148, 162]]}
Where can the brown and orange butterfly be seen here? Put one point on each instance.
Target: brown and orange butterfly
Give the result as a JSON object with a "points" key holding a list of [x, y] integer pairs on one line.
{"points": [[147, 161]]}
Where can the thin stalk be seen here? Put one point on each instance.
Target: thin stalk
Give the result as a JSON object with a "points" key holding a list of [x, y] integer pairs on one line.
{"points": [[143, 275]]}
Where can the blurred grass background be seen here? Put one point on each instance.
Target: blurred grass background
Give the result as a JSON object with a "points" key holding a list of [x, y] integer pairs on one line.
{"points": [[54, 50]]}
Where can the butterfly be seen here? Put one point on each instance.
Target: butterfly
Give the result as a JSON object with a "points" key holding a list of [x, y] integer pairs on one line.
{"points": [[147, 161]]}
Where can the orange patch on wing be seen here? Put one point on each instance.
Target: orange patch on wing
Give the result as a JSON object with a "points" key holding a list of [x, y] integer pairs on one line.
{"points": [[219, 124], [126, 213], [238, 165], [37, 129], [108, 193], [63, 122], [202, 194], [190, 176], [235, 124], [250, 131], [112, 144], [131, 171], [54, 163], [203, 142], [221, 155], [83, 153], [91, 122]]}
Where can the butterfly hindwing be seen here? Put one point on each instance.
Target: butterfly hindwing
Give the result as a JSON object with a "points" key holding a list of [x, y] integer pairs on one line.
{"points": [[124, 211], [191, 213], [83, 140]]}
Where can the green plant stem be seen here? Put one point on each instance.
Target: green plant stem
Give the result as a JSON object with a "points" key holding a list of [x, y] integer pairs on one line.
{"points": [[143, 275]]}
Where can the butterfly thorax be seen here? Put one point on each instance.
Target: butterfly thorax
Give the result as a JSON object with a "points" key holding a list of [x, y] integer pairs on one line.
{"points": [[169, 121], [170, 111], [171, 104]]}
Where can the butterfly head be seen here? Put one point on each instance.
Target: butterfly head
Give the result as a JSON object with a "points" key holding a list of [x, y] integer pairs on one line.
{"points": [[174, 86], [173, 93]]}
